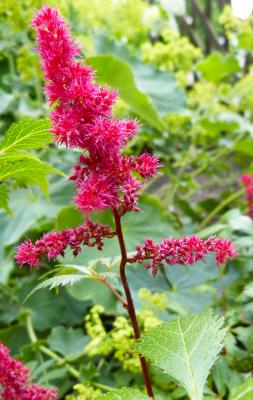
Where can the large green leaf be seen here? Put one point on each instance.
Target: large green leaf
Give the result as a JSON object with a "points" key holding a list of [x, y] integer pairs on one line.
{"points": [[185, 349], [68, 342], [217, 66], [26, 135], [31, 168], [119, 75], [243, 391], [56, 310], [4, 198], [124, 394], [161, 86]]}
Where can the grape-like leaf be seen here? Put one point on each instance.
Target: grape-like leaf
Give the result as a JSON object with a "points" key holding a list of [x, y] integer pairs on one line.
{"points": [[185, 349], [26, 135]]}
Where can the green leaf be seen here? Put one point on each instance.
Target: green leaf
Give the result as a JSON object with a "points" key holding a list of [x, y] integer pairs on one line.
{"points": [[243, 391], [26, 135], [68, 342], [248, 290], [124, 394], [68, 217], [218, 66], [161, 87], [32, 168], [18, 155], [245, 147], [60, 280], [4, 197], [185, 349], [119, 75], [5, 100]]}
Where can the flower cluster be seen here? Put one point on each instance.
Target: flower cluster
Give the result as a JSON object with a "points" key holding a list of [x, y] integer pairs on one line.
{"points": [[15, 381], [53, 244], [81, 112], [82, 118], [187, 250], [247, 181]]}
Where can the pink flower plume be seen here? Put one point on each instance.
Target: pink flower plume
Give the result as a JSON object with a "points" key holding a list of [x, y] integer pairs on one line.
{"points": [[15, 381]]}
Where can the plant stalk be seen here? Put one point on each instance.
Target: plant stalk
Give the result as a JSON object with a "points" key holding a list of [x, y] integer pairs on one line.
{"points": [[220, 207], [130, 305]]}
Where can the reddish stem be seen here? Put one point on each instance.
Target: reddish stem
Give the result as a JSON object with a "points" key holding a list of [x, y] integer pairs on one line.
{"points": [[116, 294], [130, 304]]}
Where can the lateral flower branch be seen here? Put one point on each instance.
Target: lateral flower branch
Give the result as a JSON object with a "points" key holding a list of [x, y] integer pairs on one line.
{"points": [[105, 178]]}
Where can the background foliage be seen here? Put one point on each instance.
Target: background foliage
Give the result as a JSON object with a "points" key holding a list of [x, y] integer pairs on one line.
{"points": [[196, 113]]}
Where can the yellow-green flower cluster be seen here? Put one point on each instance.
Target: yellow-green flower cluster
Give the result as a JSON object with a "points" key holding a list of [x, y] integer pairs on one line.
{"points": [[172, 53], [100, 343], [233, 25], [157, 301], [84, 392], [120, 339]]}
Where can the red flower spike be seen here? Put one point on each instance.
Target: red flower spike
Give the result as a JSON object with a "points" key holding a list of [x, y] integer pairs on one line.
{"points": [[52, 245], [82, 118], [187, 250], [15, 381], [247, 181]]}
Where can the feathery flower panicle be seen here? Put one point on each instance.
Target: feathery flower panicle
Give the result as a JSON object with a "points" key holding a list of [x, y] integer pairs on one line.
{"points": [[187, 250], [52, 245], [82, 118], [104, 177], [15, 381], [247, 181]]}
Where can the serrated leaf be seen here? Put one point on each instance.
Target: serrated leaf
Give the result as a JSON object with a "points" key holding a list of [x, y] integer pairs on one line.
{"points": [[119, 75], [60, 280], [26, 135], [33, 168], [243, 391], [124, 394], [4, 198], [18, 155], [185, 349]]}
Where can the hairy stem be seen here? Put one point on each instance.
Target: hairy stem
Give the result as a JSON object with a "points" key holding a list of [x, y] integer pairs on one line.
{"points": [[130, 305]]}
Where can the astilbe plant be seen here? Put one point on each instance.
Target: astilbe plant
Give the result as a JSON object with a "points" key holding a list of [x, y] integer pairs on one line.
{"points": [[16, 382], [81, 114]]}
